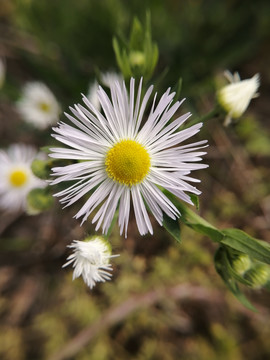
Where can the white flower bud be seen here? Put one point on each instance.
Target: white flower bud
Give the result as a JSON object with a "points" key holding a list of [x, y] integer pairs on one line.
{"points": [[235, 97], [91, 260]]}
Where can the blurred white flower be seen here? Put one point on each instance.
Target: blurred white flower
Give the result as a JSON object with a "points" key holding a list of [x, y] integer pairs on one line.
{"points": [[107, 79], [90, 260], [123, 160], [2, 72], [235, 97], [16, 177], [38, 106], [111, 77], [92, 95]]}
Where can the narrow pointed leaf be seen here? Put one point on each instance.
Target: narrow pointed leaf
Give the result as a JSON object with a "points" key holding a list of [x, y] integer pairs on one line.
{"points": [[173, 227]]}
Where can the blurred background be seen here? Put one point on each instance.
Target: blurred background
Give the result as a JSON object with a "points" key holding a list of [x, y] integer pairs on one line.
{"points": [[165, 300]]}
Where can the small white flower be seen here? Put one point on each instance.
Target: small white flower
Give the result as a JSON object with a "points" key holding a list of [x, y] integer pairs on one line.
{"points": [[111, 77], [38, 106], [92, 95], [91, 260], [2, 72], [236, 96], [123, 160], [16, 177]]}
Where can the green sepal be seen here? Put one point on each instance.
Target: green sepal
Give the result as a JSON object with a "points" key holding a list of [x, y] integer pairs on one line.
{"points": [[38, 200], [41, 168], [239, 240], [138, 57], [221, 265], [122, 59], [150, 49], [136, 35], [230, 270], [173, 227]]}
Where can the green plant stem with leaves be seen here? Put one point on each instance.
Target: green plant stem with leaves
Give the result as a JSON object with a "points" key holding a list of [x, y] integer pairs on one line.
{"points": [[232, 243]]}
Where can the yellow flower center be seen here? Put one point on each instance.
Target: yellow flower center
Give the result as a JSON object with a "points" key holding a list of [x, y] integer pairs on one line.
{"points": [[18, 178], [127, 162], [45, 107]]}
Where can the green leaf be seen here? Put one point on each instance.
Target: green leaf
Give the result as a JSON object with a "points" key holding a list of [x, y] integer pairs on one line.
{"points": [[194, 221], [195, 199], [222, 270], [46, 149], [107, 235], [178, 91], [239, 240], [205, 229], [38, 200], [172, 226], [267, 286]]}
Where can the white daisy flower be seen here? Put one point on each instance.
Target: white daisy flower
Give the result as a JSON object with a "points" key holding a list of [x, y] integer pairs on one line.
{"points": [[121, 159], [16, 177], [91, 260], [38, 106], [2, 72], [236, 96]]}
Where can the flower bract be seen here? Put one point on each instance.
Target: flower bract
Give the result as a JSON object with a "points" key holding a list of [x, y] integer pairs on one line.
{"points": [[124, 157]]}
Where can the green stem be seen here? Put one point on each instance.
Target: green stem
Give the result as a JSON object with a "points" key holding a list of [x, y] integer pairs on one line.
{"points": [[191, 219], [210, 115]]}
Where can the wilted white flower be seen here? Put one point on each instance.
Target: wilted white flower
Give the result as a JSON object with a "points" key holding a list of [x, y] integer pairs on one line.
{"points": [[2, 72], [16, 177], [91, 260], [110, 77], [236, 96], [38, 106], [123, 160]]}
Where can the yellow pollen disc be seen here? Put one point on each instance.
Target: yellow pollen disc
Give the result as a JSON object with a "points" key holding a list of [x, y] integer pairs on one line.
{"points": [[18, 178], [128, 162], [44, 106]]}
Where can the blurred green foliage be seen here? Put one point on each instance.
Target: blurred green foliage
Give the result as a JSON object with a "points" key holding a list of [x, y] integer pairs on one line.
{"points": [[195, 38]]}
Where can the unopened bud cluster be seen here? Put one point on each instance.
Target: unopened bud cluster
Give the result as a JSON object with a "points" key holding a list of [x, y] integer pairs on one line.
{"points": [[255, 273]]}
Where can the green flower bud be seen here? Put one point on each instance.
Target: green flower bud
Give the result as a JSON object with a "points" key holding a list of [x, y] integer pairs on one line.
{"points": [[241, 264], [137, 58], [258, 275], [40, 169], [39, 200]]}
